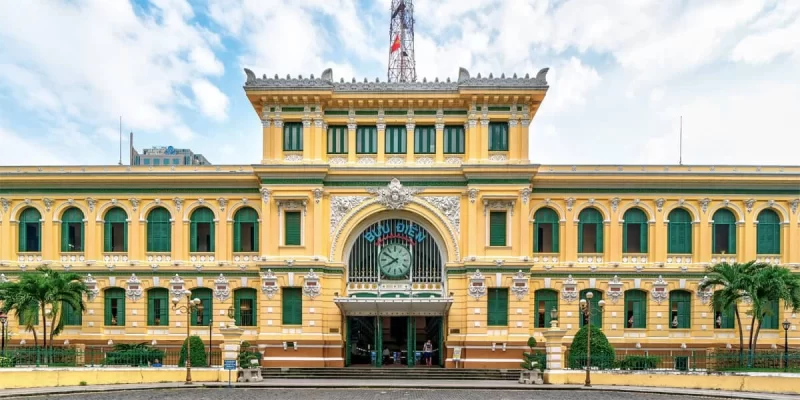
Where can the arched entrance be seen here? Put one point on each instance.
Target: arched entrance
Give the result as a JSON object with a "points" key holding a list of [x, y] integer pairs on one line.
{"points": [[396, 297]]}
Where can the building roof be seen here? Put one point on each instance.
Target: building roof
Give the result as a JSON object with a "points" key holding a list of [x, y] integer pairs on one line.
{"points": [[465, 81]]}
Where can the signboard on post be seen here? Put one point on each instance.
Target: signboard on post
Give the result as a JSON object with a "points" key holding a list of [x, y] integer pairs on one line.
{"points": [[456, 355], [229, 365]]}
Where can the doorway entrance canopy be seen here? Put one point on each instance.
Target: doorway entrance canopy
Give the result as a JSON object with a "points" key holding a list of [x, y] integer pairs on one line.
{"points": [[398, 306]]}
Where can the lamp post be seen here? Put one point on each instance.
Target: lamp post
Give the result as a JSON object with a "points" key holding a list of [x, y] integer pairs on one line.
{"points": [[586, 310], [191, 305], [553, 318], [786, 345], [3, 322]]}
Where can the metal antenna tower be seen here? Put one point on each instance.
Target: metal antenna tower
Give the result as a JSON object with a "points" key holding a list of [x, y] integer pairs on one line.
{"points": [[402, 67]]}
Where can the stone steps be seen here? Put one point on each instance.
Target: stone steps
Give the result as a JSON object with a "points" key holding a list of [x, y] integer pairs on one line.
{"points": [[393, 373]]}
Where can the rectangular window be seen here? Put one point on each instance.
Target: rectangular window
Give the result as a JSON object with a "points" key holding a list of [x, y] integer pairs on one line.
{"points": [[454, 140], [157, 308], [721, 238], [156, 161], [337, 140], [74, 237], [175, 161], [146, 161], [115, 307], [166, 161], [245, 307], [72, 317], [425, 140], [635, 316], [292, 228], [201, 316], [395, 140], [497, 228], [31, 240], [202, 243], [588, 239], [292, 305], [724, 319], [247, 243], [498, 307], [117, 237], [498, 136], [292, 136], [680, 312], [544, 238], [366, 140], [680, 238], [633, 239]]}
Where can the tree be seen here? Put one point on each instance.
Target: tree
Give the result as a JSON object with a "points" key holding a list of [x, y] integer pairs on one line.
{"points": [[530, 358], [731, 279], [602, 355], [20, 303], [768, 284], [198, 352]]}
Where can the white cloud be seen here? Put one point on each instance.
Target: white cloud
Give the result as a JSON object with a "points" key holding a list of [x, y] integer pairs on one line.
{"points": [[212, 101]]}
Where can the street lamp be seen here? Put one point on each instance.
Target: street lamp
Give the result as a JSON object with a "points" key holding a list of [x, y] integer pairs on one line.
{"points": [[191, 305], [3, 322], [586, 310], [786, 345]]}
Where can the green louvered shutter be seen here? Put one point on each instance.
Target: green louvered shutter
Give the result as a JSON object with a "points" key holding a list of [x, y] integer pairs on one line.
{"points": [[727, 317], [636, 306], [237, 235], [157, 305], [72, 317], [212, 237], [245, 307], [768, 233], [205, 297], [544, 301], [454, 142], [596, 317], [366, 140], [580, 236], [151, 308], [337, 140], [256, 238], [425, 140], [159, 231], [498, 307], [30, 217], [292, 305], [395, 140], [497, 228], [193, 237], [679, 232], [292, 136], [498, 136], [107, 246], [292, 228], [771, 318], [681, 302], [599, 244]]}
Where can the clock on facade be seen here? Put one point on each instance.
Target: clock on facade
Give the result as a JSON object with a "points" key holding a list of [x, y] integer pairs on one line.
{"points": [[394, 260]]}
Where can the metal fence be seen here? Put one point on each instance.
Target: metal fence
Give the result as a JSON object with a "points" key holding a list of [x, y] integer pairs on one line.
{"points": [[724, 360], [100, 357]]}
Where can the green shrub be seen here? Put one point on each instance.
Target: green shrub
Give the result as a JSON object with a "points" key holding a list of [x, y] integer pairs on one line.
{"points": [[133, 354], [602, 355], [5, 362], [533, 359], [82, 383], [246, 354], [198, 353], [639, 363]]}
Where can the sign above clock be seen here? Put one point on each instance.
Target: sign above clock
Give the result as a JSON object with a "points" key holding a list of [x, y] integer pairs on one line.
{"points": [[406, 231]]}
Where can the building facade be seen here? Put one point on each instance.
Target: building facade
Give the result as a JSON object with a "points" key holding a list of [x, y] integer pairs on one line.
{"points": [[383, 215], [156, 156]]}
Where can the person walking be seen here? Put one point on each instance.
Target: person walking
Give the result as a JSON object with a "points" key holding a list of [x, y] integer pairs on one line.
{"points": [[427, 352]]}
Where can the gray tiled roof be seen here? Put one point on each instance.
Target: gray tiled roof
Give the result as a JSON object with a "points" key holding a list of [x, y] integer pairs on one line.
{"points": [[465, 81]]}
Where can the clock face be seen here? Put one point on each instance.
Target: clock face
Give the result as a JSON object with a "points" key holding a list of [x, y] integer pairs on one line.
{"points": [[394, 260]]}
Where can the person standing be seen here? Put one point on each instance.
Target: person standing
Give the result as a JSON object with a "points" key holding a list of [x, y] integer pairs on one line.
{"points": [[427, 352]]}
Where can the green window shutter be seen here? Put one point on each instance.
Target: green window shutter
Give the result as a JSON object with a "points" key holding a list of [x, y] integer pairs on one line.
{"points": [[204, 294], [193, 237], [679, 232], [680, 301], [643, 237], [425, 140], [768, 233], [599, 239], [292, 136], [536, 248], [498, 307], [366, 140], [30, 218], [157, 305], [115, 295], [213, 237], [770, 320], [72, 317], [625, 237], [596, 317], [635, 217], [125, 237], [580, 236], [454, 141], [23, 236], [498, 136], [159, 230], [292, 228], [151, 308], [732, 239], [107, 236], [497, 228], [237, 236], [255, 236], [544, 301], [245, 307], [292, 306], [337, 140], [636, 306], [556, 236], [71, 216], [395, 142]]}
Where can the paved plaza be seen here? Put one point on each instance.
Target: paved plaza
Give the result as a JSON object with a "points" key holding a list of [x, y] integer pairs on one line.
{"points": [[360, 394]]}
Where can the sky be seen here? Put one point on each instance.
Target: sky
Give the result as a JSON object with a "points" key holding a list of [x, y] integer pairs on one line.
{"points": [[622, 72]]}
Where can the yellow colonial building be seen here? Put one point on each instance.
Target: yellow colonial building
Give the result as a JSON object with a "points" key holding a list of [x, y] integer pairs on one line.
{"points": [[383, 215]]}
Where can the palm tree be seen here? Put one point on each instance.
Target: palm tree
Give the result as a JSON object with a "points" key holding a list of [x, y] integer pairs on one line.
{"points": [[65, 288], [24, 306], [730, 278], [770, 284]]}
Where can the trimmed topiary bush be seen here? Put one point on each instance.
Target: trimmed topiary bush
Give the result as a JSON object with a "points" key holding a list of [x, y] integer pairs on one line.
{"points": [[533, 359], [602, 356], [198, 353], [639, 363], [246, 354]]}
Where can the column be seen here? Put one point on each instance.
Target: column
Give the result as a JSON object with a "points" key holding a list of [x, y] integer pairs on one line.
{"points": [[410, 143], [268, 229], [472, 137], [483, 139], [231, 338], [554, 338], [745, 246], [514, 142], [277, 139], [318, 244], [320, 138], [524, 146], [139, 252], [381, 144], [525, 237], [439, 157], [351, 143], [227, 238], [308, 145], [266, 140]]}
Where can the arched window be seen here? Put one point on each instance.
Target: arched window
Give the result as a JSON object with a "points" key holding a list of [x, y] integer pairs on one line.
{"points": [[115, 231], [114, 307], [158, 307], [635, 309], [590, 231], [771, 314], [680, 309], [545, 231], [724, 318], [245, 230], [201, 235], [202, 315], [244, 303], [545, 300], [72, 230], [634, 231], [30, 230], [768, 233], [723, 237], [679, 232], [159, 231], [597, 312]]}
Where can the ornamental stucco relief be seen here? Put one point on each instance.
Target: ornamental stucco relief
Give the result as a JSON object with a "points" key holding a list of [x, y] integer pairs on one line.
{"points": [[394, 196], [340, 206], [450, 206]]}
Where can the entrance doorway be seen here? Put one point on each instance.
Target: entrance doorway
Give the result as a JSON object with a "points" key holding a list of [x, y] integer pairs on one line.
{"points": [[393, 341]]}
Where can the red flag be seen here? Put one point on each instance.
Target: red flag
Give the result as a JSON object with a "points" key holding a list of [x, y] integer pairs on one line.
{"points": [[395, 44]]}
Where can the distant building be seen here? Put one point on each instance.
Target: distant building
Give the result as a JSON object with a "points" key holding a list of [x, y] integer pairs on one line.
{"points": [[167, 156]]}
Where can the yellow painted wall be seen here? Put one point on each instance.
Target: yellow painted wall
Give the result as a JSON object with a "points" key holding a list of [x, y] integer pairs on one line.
{"points": [[12, 378]]}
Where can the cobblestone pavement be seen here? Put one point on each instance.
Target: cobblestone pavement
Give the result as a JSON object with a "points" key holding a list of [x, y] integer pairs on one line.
{"points": [[359, 394]]}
